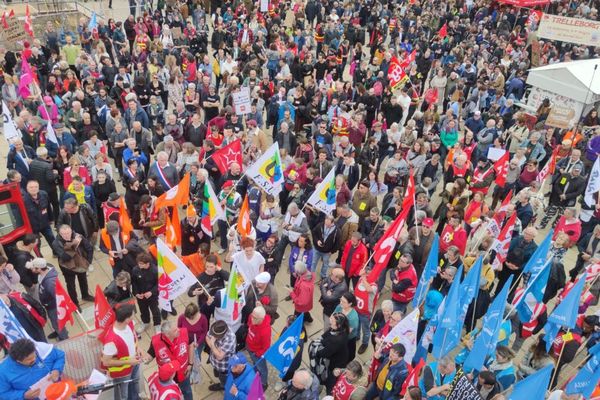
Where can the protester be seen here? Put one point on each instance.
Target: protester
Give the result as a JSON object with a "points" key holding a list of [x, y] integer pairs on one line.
{"points": [[389, 121]]}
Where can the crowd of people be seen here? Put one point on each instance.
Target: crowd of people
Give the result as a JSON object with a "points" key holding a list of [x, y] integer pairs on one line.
{"points": [[116, 113]]}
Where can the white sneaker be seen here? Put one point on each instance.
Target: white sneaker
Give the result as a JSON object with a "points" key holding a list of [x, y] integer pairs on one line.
{"points": [[156, 329], [91, 268], [139, 329]]}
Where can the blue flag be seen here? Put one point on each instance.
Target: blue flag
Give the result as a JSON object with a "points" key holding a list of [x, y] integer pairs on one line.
{"points": [[534, 386], [447, 334], [93, 22], [470, 286], [533, 293], [588, 377], [12, 329], [429, 271], [282, 352], [565, 314], [538, 258], [485, 343]]}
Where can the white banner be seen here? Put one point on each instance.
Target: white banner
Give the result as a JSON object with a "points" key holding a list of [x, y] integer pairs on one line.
{"points": [[565, 112], [324, 196], [405, 332], [593, 185], [180, 277], [267, 171], [241, 101], [572, 30], [10, 129]]}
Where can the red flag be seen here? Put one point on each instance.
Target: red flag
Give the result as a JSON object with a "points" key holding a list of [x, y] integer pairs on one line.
{"points": [[396, 75], [28, 25], [502, 243], [494, 224], [244, 225], [232, 153], [501, 169], [409, 59], [11, 14], [443, 32], [104, 315], [534, 17], [64, 306], [413, 377], [4, 23], [382, 251]]}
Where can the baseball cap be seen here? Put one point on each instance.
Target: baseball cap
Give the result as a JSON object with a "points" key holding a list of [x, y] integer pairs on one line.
{"points": [[236, 359], [166, 371], [428, 222]]}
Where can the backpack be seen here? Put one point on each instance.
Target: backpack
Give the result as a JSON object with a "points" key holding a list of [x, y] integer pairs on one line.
{"points": [[30, 306], [318, 365]]}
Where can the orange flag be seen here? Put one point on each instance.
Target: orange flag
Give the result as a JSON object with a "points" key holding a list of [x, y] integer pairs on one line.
{"points": [[244, 225], [176, 196], [173, 234], [125, 221], [64, 306]]}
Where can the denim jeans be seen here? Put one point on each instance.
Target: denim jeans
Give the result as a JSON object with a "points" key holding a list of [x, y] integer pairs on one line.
{"points": [[261, 367], [186, 389], [364, 328], [53, 317], [317, 255], [128, 390]]}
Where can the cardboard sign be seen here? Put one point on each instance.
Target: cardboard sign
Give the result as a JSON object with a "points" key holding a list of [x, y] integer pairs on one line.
{"points": [[242, 101], [14, 35]]}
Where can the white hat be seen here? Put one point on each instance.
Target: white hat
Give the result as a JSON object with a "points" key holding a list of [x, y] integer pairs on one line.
{"points": [[263, 277]]}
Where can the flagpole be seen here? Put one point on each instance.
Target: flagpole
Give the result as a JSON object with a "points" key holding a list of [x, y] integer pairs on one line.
{"points": [[513, 308], [559, 357], [576, 368], [87, 327]]}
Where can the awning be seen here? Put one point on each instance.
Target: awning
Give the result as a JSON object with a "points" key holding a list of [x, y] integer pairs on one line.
{"points": [[524, 3]]}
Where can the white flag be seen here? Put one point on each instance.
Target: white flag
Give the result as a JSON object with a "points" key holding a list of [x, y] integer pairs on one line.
{"points": [[10, 128], [593, 185], [323, 198], [267, 171], [180, 277], [405, 332], [50, 134]]}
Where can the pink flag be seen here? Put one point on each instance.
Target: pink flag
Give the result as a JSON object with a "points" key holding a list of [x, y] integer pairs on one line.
{"points": [[26, 79], [256, 390]]}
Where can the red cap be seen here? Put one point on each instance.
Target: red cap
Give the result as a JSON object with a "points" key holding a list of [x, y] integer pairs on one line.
{"points": [[428, 222], [227, 184], [166, 371]]}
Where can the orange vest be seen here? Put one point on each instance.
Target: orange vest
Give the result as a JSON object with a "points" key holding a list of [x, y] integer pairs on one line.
{"points": [[108, 244]]}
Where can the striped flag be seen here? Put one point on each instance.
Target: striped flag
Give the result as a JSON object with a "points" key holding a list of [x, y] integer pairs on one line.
{"points": [[211, 209], [231, 297]]}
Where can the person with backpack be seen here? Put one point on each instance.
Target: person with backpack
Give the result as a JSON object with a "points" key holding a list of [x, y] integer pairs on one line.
{"points": [[30, 313], [47, 278]]}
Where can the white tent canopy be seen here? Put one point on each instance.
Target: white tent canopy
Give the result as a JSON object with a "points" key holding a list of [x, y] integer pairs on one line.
{"points": [[577, 80]]}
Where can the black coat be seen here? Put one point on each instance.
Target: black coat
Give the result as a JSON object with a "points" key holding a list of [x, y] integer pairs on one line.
{"points": [[41, 171], [90, 221], [145, 280], [335, 349], [333, 240], [576, 186], [19, 259], [38, 210], [353, 175]]}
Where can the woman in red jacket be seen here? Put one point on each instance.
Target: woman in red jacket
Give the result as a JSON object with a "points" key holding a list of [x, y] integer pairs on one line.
{"points": [[302, 292]]}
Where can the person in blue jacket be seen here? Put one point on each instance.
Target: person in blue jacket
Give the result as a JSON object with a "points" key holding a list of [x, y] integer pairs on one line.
{"points": [[391, 375], [23, 367], [239, 379]]}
